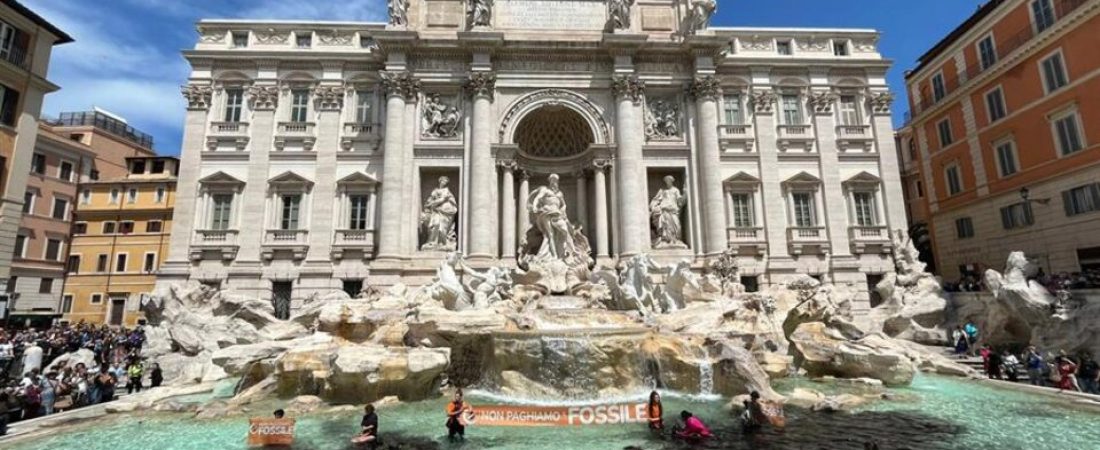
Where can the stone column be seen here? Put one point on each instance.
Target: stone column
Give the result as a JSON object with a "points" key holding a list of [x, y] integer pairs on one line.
{"points": [[706, 91], [582, 199], [508, 216], [482, 211], [524, 192], [399, 86], [185, 219], [602, 228], [633, 211]]}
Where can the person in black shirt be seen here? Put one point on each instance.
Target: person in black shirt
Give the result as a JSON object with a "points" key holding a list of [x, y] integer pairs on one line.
{"points": [[369, 433], [1088, 375], [156, 376]]}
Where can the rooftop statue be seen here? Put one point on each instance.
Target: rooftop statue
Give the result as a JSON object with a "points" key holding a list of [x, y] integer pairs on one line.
{"points": [[399, 12], [619, 13], [480, 13], [701, 13]]}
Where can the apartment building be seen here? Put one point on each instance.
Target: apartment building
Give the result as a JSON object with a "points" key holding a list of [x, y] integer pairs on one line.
{"points": [[1002, 151]]}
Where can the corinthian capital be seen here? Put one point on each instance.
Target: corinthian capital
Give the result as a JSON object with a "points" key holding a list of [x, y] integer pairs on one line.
{"points": [[400, 83], [197, 95], [263, 97], [329, 98], [481, 84], [706, 88], [628, 87], [881, 102]]}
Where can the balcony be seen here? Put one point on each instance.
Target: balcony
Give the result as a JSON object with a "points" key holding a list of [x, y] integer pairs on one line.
{"points": [[801, 239], [795, 137], [854, 137], [295, 134], [869, 239], [361, 133], [746, 240], [737, 135], [347, 241], [15, 55], [227, 134], [222, 242], [295, 242]]}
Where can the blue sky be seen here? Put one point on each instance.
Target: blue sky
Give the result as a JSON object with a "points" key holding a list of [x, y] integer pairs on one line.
{"points": [[126, 56]]}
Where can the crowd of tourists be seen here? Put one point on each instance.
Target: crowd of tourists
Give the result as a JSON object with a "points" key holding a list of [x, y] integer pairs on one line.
{"points": [[32, 386], [1077, 373]]}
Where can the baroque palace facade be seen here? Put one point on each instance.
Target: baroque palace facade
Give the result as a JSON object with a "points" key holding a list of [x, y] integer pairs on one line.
{"points": [[321, 156]]}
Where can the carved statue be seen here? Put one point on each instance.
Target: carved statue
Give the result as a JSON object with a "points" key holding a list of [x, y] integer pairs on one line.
{"points": [[548, 216], [619, 13], [664, 211], [446, 289], [639, 289], [701, 13], [399, 12], [437, 219], [439, 119], [480, 13], [662, 120], [554, 255], [490, 287]]}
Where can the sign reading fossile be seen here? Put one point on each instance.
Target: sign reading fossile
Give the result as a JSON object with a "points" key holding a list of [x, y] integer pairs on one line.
{"points": [[559, 416], [263, 432], [577, 15]]}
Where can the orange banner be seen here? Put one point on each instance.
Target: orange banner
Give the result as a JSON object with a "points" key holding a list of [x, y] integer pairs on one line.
{"points": [[558, 416], [268, 431]]}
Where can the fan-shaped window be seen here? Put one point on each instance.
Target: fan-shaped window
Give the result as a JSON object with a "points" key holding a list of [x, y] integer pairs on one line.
{"points": [[553, 132]]}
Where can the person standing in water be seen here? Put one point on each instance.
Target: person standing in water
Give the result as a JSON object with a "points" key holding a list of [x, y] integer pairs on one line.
{"points": [[654, 410], [456, 423]]}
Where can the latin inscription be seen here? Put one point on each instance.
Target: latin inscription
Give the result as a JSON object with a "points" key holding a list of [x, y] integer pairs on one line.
{"points": [[588, 15]]}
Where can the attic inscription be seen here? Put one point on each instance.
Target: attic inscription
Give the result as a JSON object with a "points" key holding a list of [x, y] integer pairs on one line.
{"points": [[590, 15]]}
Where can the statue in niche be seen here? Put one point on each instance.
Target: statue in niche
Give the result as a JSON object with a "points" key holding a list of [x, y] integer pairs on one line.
{"points": [[619, 12], [701, 13], [554, 254], [439, 119], [480, 13], [664, 211], [399, 12], [437, 219], [548, 215], [662, 120]]}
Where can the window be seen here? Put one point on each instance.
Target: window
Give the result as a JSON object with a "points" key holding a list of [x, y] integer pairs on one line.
{"points": [[101, 263], [20, 246], [114, 195], [944, 128], [939, 89], [1067, 133], [995, 105], [234, 101], [840, 48], [160, 194], [804, 214], [358, 214], [792, 110], [120, 262], [38, 164], [918, 189], [53, 250], [85, 197], [1042, 11], [45, 286], [784, 47], [731, 105], [1081, 200], [240, 39], [299, 106], [131, 195], [97, 299], [954, 180], [158, 166], [742, 211], [28, 202], [149, 265], [363, 107], [67, 303], [987, 52], [73, 264], [303, 39], [1006, 158], [60, 209], [137, 167], [65, 171], [353, 287], [849, 110], [80, 228], [93, 175], [291, 205], [9, 104], [1017, 215], [126, 227], [153, 226], [864, 205], [108, 228], [219, 217], [1054, 72], [751, 283], [964, 228]]}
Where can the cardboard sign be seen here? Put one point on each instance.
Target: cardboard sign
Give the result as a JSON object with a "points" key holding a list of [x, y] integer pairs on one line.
{"points": [[559, 416], [268, 431]]}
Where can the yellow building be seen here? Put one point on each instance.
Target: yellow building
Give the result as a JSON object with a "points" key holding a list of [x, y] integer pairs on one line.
{"points": [[120, 237]]}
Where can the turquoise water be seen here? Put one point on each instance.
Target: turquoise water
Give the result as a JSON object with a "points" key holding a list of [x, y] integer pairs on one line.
{"points": [[934, 413]]}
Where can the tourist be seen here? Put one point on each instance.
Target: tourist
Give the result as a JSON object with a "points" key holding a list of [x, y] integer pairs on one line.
{"points": [[962, 343], [156, 376], [105, 383], [32, 358], [984, 352], [971, 333], [1088, 376], [1010, 362], [279, 414], [654, 410], [135, 372], [1067, 371], [7, 355], [1034, 366], [5, 399], [48, 395], [694, 429], [995, 364], [456, 423], [32, 398], [369, 432]]}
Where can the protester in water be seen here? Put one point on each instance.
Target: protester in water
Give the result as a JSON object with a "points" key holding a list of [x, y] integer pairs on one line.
{"points": [[693, 429], [654, 411], [456, 426], [754, 417], [279, 414], [369, 432]]}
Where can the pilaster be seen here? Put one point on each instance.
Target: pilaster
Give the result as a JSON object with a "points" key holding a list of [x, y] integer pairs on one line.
{"points": [[483, 180], [631, 179]]}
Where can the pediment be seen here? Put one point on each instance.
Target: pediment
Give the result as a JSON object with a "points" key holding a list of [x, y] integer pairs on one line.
{"points": [[220, 177], [289, 178], [741, 180], [863, 178], [803, 178], [357, 178]]}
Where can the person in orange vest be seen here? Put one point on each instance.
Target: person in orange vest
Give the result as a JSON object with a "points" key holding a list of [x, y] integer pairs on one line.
{"points": [[457, 412], [653, 412]]}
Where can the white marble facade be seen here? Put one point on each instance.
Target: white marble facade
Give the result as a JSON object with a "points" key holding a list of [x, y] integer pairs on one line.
{"points": [[311, 149]]}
